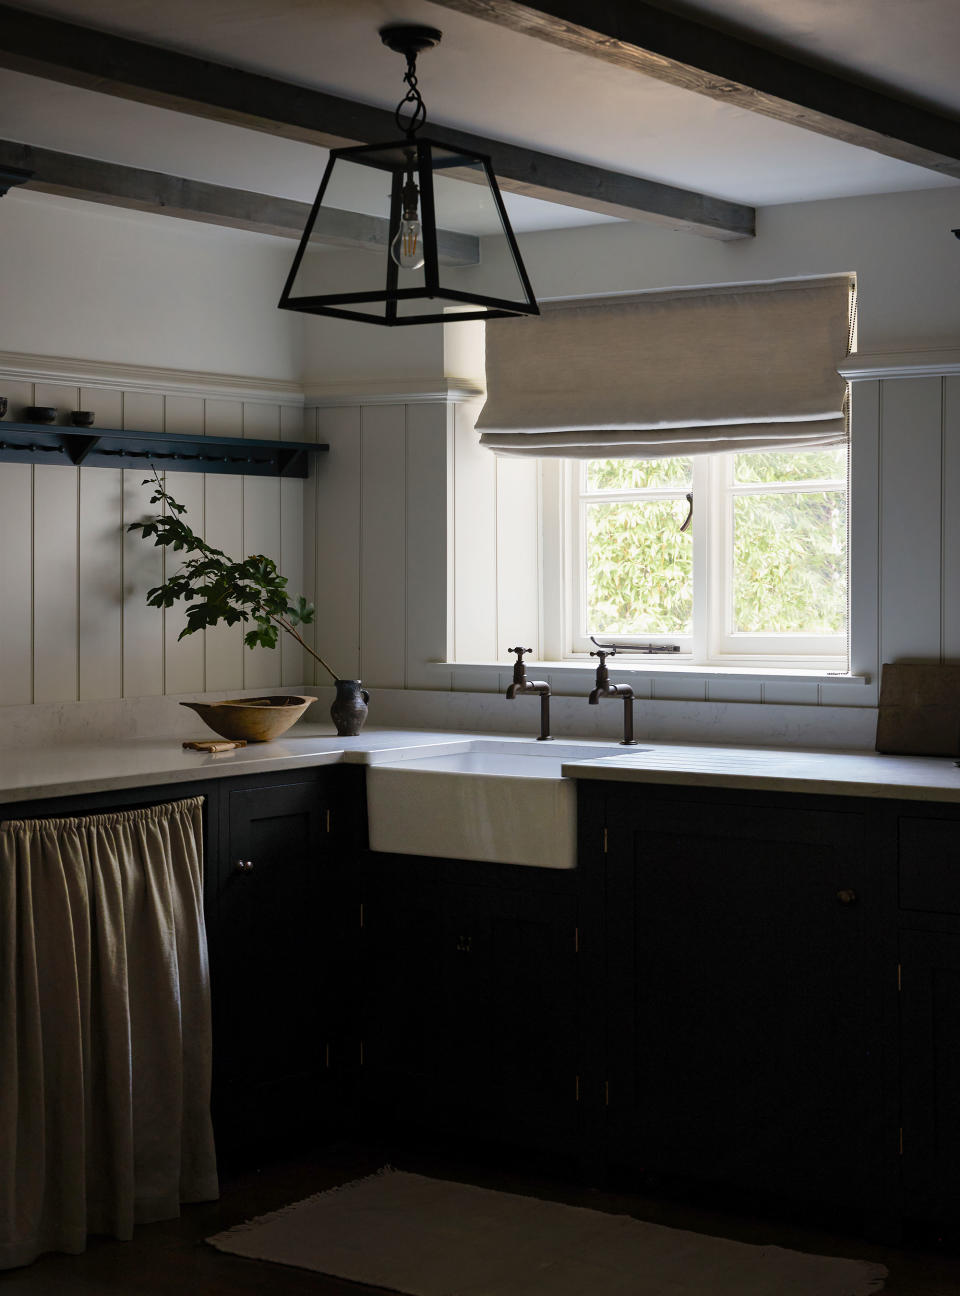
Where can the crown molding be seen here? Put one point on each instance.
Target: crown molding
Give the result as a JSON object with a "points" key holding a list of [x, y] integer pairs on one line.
{"points": [[392, 391], [73, 371], [76, 372], [902, 364]]}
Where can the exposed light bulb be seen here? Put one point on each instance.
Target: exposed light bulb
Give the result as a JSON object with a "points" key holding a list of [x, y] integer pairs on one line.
{"points": [[406, 248]]}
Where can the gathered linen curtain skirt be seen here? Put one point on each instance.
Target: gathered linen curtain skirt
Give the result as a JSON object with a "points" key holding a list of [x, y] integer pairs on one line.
{"points": [[105, 1039]]}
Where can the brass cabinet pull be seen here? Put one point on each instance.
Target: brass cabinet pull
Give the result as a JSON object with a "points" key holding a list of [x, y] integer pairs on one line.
{"points": [[244, 866], [846, 896]]}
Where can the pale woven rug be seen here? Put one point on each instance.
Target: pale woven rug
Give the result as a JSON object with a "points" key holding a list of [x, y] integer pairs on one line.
{"points": [[430, 1237]]}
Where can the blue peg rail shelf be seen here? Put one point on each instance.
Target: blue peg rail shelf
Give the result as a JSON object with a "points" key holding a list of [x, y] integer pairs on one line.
{"points": [[176, 451]]}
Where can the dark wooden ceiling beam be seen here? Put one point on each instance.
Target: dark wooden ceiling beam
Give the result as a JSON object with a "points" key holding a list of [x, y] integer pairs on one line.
{"points": [[121, 186], [694, 56], [11, 176], [75, 55]]}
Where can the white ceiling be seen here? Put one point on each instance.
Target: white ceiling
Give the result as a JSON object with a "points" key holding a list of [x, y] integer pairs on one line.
{"points": [[508, 86]]}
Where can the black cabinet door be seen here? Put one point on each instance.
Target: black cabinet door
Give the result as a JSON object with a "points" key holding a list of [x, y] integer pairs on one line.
{"points": [[744, 1031], [469, 1015], [508, 1058], [397, 903], [269, 954], [930, 1073]]}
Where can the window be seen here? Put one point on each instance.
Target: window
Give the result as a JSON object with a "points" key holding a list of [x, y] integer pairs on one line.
{"points": [[759, 577]]}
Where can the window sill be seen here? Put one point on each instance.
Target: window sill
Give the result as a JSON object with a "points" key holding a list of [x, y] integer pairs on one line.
{"points": [[678, 670]]}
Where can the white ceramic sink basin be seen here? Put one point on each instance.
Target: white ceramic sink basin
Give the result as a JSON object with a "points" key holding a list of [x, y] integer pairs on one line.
{"points": [[491, 800]]}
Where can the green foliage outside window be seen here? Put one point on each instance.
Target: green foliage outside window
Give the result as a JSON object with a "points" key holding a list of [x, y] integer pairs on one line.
{"points": [[638, 474], [789, 547], [791, 466], [639, 568], [790, 573]]}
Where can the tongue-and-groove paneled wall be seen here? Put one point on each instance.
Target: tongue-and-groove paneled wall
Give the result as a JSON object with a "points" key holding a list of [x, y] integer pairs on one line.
{"points": [[426, 545], [75, 625], [377, 525], [407, 541]]}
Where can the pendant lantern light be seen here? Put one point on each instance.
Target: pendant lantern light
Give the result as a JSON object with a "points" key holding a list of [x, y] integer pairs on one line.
{"points": [[419, 205]]}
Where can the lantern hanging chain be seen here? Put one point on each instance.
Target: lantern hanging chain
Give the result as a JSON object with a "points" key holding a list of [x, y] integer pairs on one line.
{"points": [[418, 113]]}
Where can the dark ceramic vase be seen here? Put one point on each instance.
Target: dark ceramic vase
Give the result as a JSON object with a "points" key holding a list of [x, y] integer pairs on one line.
{"points": [[349, 708]]}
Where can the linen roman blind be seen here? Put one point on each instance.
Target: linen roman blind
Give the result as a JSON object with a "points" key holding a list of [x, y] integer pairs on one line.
{"points": [[744, 367]]}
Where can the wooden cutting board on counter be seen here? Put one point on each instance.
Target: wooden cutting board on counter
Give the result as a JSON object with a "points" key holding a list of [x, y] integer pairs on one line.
{"points": [[919, 710]]}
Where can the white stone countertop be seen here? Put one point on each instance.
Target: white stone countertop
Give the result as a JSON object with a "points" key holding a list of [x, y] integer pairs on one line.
{"points": [[68, 769], [831, 773]]}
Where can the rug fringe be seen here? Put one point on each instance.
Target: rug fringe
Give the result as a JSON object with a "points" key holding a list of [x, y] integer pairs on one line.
{"points": [[282, 1211]]}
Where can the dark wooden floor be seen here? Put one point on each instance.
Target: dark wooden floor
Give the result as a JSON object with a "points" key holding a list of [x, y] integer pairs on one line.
{"points": [[171, 1257]]}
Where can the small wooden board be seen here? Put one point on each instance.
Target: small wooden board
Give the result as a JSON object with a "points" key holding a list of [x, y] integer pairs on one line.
{"points": [[214, 745], [919, 710]]}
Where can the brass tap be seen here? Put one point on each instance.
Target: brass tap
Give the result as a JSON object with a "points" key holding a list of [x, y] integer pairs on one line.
{"points": [[604, 689], [521, 684]]}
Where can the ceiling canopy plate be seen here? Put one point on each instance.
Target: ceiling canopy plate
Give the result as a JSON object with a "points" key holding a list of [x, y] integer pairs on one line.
{"points": [[409, 39]]}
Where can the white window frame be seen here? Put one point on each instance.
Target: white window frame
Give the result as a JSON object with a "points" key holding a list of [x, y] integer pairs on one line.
{"points": [[713, 642]]}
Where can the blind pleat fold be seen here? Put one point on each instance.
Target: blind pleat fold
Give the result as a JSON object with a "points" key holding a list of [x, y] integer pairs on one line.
{"points": [[661, 374]]}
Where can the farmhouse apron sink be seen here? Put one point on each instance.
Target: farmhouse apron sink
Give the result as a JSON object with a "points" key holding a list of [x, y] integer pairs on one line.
{"points": [[499, 800]]}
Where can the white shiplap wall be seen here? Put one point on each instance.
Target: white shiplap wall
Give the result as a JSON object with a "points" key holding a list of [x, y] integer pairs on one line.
{"points": [[918, 421], [377, 540], [416, 546], [75, 624], [388, 609]]}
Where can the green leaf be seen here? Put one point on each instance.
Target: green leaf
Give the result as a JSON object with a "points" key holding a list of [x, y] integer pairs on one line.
{"points": [[216, 588]]}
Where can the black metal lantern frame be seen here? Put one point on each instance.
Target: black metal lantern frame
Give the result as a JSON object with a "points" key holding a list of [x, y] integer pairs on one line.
{"points": [[425, 157], [412, 242]]}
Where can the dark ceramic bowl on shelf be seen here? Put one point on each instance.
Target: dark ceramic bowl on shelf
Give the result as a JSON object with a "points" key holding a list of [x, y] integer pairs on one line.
{"points": [[40, 413], [82, 418]]}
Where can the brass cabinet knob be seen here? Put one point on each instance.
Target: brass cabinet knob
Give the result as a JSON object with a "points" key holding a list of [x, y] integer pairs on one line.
{"points": [[846, 896], [244, 866]]}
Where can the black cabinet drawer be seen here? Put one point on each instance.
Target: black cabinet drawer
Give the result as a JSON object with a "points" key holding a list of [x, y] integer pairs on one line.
{"points": [[930, 865]]}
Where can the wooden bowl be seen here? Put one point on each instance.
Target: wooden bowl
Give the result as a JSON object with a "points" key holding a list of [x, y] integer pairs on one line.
{"points": [[256, 719]]}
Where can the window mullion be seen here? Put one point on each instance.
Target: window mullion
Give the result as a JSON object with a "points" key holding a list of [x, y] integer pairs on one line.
{"points": [[726, 493], [721, 551], [555, 570], [702, 580], [635, 496]]}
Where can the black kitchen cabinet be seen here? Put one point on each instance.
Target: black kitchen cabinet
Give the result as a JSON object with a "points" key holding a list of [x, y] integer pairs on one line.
{"points": [[930, 1074], [509, 1052], [744, 1022], [755, 989], [469, 1014], [276, 850], [398, 1028], [927, 840], [271, 941]]}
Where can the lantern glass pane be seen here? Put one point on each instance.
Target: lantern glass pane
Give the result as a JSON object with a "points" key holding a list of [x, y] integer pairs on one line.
{"points": [[348, 248], [465, 203]]}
